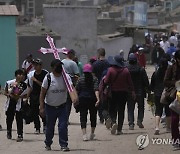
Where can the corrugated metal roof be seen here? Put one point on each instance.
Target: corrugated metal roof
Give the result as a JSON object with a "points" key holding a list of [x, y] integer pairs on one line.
{"points": [[8, 10]]}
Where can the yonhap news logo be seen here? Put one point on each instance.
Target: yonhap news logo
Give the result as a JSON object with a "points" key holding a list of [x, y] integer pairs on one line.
{"points": [[142, 141], [165, 141]]}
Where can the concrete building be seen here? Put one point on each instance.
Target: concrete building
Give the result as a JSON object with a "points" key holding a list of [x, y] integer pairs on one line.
{"points": [[81, 30], [76, 25], [113, 43], [8, 63]]}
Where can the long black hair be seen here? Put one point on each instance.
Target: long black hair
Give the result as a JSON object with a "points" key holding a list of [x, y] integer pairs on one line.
{"points": [[163, 64], [88, 79]]}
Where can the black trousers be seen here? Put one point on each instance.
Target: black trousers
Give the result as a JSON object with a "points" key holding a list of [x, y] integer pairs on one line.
{"points": [[106, 105], [160, 106], [117, 107], [34, 105], [68, 105], [85, 106], [100, 112], [10, 113], [131, 107]]}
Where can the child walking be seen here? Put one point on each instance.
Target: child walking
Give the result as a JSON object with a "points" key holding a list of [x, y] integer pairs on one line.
{"points": [[14, 90]]}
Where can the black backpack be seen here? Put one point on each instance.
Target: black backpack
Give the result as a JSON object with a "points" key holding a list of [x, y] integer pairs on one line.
{"points": [[49, 80]]}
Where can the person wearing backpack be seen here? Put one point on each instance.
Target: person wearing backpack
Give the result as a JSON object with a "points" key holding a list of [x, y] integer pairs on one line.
{"points": [[53, 105], [88, 92], [141, 84], [35, 79]]}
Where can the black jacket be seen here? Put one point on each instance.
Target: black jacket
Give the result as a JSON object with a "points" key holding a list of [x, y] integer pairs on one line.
{"points": [[139, 78]]}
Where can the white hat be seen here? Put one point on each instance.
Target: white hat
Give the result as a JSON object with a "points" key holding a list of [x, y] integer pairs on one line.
{"points": [[177, 85], [141, 49]]}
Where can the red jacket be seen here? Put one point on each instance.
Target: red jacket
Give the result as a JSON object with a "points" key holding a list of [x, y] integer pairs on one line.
{"points": [[119, 79], [141, 59]]}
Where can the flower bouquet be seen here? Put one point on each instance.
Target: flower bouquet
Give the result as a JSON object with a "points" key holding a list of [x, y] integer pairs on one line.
{"points": [[16, 90]]}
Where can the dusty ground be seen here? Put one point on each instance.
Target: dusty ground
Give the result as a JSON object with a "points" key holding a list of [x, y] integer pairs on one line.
{"points": [[104, 143]]}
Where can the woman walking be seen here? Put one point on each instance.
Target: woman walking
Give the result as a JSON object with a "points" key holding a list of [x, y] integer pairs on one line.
{"points": [[87, 88], [157, 87], [172, 75], [119, 79]]}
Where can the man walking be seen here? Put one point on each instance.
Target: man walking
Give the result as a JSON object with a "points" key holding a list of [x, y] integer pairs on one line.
{"points": [[140, 82], [72, 69], [54, 95], [99, 67], [35, 79]]}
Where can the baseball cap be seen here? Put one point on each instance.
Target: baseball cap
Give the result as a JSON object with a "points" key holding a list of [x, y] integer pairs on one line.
{"points": [[37, 61], [56, 62]]}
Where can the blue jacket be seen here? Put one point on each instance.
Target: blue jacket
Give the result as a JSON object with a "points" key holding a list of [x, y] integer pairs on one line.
{"points": [[171, 49]]}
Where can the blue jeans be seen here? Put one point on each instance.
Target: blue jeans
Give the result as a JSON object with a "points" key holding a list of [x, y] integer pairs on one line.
{"points": [[52, 113]]}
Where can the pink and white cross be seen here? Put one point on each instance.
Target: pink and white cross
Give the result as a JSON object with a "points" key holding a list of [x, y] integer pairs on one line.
{"points": [[56, 52]]}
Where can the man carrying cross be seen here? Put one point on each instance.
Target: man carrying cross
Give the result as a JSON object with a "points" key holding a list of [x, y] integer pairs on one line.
{"points": [[54, 90], [55, 106]]}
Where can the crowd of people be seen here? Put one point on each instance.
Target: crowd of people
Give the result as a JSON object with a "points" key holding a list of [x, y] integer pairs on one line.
{"points": [[104, 86]]}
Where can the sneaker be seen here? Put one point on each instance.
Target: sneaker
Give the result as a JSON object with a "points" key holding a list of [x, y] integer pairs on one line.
{"points": [[37, 132], [19, 138], [119, 133], [48, 148], [140, 125], [91, 137], [9, 135], [114, 128], [131, 127], [156, 132], [0, 128], [108, 123], [65, 149], [176, 147], [85, 138]]}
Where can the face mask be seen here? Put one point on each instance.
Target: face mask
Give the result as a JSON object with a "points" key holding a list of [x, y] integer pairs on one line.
{"points": [[58, 69]]}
